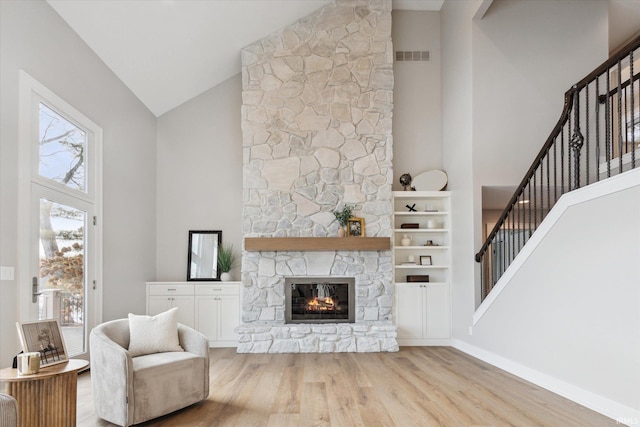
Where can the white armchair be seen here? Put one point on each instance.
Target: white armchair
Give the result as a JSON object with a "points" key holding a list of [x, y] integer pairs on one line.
{"points": [[130, 390]]}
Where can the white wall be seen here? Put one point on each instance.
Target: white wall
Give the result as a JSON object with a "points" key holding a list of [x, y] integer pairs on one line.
{"points": [[34, 38], [457, 134], [504, 77], [199, 176], [624, 22], [526, 54], [417, 95], [572, 311]]}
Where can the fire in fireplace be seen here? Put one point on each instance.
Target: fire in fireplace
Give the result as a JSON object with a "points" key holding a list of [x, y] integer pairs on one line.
{"points": [[319, 299]]}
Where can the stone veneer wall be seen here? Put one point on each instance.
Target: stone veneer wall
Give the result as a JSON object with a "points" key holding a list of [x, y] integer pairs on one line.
{"points": [[316, 121]]}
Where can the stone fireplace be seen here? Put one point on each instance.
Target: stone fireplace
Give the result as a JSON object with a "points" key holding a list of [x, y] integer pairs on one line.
{"points": [[316, 122]]}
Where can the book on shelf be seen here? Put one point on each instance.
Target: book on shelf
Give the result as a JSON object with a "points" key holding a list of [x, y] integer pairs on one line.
{"points": [[410, 225]]}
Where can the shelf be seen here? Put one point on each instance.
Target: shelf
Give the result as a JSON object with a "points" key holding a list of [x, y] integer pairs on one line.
{"points": [[422, 283], [421, 247], [410, 267], [421, 213], [293, 244], [420, 230], [421, 194]]}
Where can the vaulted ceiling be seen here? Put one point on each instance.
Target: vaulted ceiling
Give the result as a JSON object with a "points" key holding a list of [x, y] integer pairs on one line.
{"points": [[168, 51]]}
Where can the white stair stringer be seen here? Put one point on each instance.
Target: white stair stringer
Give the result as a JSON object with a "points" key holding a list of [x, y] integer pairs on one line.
{"points": [[616, 183]]}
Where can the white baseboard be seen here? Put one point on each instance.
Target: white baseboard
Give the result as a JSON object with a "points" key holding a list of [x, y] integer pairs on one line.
{"points": [[415, 342], [622, 414]]}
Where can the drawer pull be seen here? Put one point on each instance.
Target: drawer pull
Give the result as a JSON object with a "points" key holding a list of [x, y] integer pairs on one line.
{"points": [[172, 289]]}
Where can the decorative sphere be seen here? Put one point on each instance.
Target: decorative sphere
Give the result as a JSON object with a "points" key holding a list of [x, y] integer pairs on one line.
{"points": [[405, 179]]}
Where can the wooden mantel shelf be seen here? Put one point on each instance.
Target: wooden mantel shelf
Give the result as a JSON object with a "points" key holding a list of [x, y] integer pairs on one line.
{"points": [[317, 244]]}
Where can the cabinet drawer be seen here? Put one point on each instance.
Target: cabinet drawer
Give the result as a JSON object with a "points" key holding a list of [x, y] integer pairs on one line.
{"points": [[219, 289], [171, 289]]}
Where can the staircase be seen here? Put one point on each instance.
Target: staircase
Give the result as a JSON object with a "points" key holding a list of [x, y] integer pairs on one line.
{"points": [[596, 137]]}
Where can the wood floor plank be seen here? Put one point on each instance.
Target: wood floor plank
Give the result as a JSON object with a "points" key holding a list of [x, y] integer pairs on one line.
{"points": [[417, 386], [314, 410], [287, 400], [284, 420], [341, 397]]}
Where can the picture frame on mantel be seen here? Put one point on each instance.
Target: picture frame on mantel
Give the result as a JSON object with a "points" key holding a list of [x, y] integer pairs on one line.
{"points": [[355, 227]]}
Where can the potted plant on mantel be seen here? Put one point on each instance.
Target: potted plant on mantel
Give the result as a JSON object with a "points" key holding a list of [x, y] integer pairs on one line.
{"points": [[226, 259], [343, 216]]}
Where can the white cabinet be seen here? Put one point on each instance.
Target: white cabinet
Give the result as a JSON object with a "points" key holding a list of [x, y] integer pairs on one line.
{"points": [[163, 296], [212, 308], [422, 264], [423, 314], [217, 312]]}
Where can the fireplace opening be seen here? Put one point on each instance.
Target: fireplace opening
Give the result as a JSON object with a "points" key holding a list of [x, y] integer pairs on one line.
{"points": [[319, 300]]}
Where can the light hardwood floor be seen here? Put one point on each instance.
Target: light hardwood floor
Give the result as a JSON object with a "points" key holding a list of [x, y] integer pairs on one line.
{"points": [[417, 386]]}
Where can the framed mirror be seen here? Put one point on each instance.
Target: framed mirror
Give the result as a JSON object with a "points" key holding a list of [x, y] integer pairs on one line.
{"points": [[202, 263]]}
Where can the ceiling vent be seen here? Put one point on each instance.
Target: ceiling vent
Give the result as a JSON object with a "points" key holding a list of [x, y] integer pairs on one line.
{"points": [[412, 55]]}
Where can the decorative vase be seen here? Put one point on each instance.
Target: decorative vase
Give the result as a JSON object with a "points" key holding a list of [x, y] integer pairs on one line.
{"points": [[341, 232], [225, 277], [406, 240]]}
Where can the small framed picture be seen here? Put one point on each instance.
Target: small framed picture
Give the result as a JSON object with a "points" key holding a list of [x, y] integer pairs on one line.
{"points": [[355, 227], [425, 259], [44, 337]]}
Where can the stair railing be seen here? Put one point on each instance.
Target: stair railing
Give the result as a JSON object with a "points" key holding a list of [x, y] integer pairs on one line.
{"points": [[596, 137]]}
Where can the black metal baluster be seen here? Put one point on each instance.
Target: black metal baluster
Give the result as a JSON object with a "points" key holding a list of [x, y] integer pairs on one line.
{"points": [[619, 116], [569, 162], [555, 170], [586, 117], [518, 200], [576, 140], [535, 203], [633, 114], [625, 116], [502, 252], [507, 242], [514, 228], [607, 121], [548, 183], [529, 207], [562, 160], [597, 128]]}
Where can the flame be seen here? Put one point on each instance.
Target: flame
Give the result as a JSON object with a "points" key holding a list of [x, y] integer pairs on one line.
{"points": [[321, 304]]}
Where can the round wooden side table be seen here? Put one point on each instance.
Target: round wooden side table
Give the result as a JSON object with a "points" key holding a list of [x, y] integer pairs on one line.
{"points": [[47, 398]]}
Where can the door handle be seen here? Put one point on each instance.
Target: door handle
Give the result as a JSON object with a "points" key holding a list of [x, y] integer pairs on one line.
{"points": [[34, 289]]}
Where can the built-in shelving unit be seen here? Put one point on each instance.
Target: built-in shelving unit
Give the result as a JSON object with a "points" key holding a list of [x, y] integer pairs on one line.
{"points": [[422, 309], [317, 244]]}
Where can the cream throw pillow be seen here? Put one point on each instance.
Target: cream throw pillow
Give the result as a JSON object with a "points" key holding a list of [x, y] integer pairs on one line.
{"points": [[154, 334]]}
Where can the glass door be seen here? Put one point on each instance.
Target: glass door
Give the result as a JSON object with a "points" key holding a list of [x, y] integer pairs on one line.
{"points": [[62, 266], [60, 154]]}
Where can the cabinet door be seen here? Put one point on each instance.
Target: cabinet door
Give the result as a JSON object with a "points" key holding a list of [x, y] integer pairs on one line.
{"points": [[206, 316], [158, 304], [437, 311], [185, 309], [229, 317], [410, 311]]}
